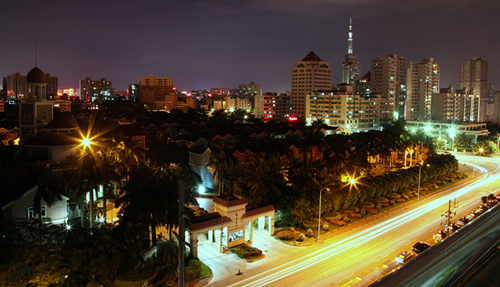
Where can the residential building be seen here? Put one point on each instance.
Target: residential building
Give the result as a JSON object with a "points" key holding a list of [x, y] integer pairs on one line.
{"points": [[250, 90], [309, 75], [351, 68], [454, 106], [63, 105], [155, 89], [272, 106], [134, 92], [362, 86], [221, 91], [474, 76], [95, 90], [238, 103], [422, 83], [388, 78], [496, 112], [14, 87]]}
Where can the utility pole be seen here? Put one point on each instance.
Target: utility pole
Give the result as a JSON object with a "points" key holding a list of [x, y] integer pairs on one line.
{"points": [[182, 235], [448, 213]]}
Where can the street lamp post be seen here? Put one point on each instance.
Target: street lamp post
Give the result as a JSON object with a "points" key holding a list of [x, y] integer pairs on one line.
{"points": [[319, 211], [419, 175]]}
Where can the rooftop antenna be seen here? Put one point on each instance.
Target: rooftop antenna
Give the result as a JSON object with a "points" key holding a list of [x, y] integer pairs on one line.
{"points": [[349, 41]]}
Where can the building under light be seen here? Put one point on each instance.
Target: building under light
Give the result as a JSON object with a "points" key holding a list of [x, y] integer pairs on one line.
{"points": [[423, 82]]}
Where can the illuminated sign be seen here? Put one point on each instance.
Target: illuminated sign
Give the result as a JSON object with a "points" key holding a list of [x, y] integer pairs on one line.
{"points": [[292, 118]]}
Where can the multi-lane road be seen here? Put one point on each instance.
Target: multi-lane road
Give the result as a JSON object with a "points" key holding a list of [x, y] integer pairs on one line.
{"points": [[366, 253]]}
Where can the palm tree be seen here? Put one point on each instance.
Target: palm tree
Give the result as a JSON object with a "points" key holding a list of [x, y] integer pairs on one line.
{"points": [[220, 161], [164, 151], [265, 179], [150, 198]]}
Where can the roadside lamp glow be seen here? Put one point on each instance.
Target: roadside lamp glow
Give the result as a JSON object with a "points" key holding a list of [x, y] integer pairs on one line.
{"points": [[201, 189]]}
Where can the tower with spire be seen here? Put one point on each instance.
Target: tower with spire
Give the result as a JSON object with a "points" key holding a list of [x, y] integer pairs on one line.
{"points": [[351, 69]]}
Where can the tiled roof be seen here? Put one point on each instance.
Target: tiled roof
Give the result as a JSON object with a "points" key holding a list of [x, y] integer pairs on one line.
{"points": [[229, 200], [210, 222], [311, 57], [43, 139], [62, 121], [258, 210]]}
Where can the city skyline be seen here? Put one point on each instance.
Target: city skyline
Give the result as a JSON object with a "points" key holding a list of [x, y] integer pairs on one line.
{"points": [[227, 43]]}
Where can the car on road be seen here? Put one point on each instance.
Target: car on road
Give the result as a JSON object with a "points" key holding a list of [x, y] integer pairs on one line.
{"points": [[420, 247], [481, 209], [462, 221], [439, 236], [404, 257], [472, 215], [491, 203], [450, 228]]}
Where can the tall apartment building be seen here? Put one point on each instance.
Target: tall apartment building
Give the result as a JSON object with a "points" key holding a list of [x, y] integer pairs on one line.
{"points": [[134, 92], [455, 106], [363, 86], [272, 106], [250, 90], [351, 68], [341, 107], [474, 76], [92, 90], [388, 78], [309, 75], [15, 87], [155, 89], [422, 83]]}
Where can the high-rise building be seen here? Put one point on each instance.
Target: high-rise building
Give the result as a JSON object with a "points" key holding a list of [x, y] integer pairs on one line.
{"points": [[92, 90], [155, 89], [309, 75], [351, 68], [134, 92], [15, 87], [474, 76], [455, 106], [388, 78], [250, 90], [272, 106], [363, 87], [423, 81]]}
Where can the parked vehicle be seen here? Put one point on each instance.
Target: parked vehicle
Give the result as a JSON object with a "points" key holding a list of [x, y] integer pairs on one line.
{"points": [[472, 215], [404, 257], [462, 221], [481, 209], [420, 247], [439, 236], [450, 228], [491, 203]]}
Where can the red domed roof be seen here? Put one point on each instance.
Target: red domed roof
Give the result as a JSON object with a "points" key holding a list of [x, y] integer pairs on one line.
{"points": [[36, 76]]}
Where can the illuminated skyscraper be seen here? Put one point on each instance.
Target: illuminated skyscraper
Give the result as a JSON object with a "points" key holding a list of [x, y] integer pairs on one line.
{"points": [[155, 89], [388, 78], [423, 81], [309, 75], [474, 76], [91, 90], [351, 69]]}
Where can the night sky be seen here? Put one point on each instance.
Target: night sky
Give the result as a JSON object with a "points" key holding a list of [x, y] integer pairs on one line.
{"points": [[207, 44]]}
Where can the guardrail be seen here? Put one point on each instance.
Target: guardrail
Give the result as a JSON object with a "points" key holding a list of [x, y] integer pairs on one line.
{"points": [[445, 263]]}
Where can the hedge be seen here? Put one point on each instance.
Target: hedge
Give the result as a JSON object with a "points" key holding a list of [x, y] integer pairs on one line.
{"points": [[286, 234], [193, 270]]}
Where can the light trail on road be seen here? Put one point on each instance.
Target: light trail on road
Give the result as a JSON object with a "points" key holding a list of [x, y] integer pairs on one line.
{"points": [[368, 234]]}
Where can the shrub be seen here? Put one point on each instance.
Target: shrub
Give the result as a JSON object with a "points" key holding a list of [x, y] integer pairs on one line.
{"points": [[392, 202], [367, 204], [326, 227], [136, 277], [339, 222], [301, 237], [363, 211], [346, 219], [193, 270], [344, 215], [354, 215], [406, 197], [309, 233], [394, 195], [452, 180], [381, 199], [244, 251], [379, 206], [400, 200], [385, 204], [334, 215], [286, 234], [373, 210], [410, 195]]}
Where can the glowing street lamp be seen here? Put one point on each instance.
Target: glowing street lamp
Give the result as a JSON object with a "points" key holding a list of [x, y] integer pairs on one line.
{"points": [[451, 132]]}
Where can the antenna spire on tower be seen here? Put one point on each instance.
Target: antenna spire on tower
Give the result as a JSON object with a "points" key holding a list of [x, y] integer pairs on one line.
{"points": [[349, 41], [36, 55]]}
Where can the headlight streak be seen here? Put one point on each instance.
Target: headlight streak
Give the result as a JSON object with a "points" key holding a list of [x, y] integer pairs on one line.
{"points": [[368, 234]]}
